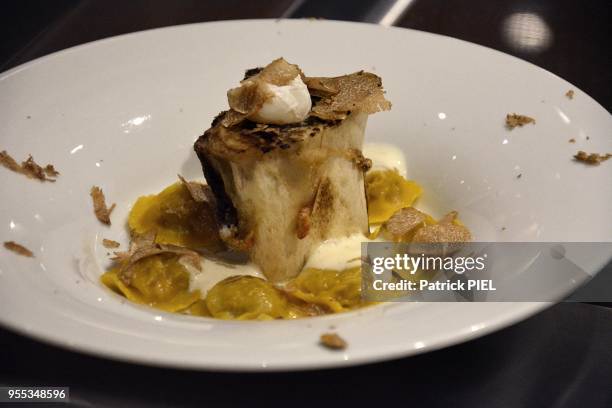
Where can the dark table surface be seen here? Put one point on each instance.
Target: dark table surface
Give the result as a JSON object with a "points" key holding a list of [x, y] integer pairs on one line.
{"points": [[561, 357]]}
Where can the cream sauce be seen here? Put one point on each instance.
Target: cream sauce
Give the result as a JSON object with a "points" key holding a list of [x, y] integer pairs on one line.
{"points": [[338, 253], [385, 156], [215, 270]]}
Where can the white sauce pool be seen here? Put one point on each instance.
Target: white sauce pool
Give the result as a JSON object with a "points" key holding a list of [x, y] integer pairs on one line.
{"points": [[385, 156], [214, 271], [337, 254]]}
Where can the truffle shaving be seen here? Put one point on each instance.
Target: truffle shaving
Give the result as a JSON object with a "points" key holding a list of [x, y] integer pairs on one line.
{"points": [[10, 163], [360, 91], [445, 231], [29, 168], [199, 192], [333, 341], [18, 249], [137, 241], [144, 246], [252, 93], [303, 222], [360, 161], [279, 72], [513, 120], [50, 171], [100, 209], [593, 159], [33, 170], [405, 222], [109, 243]]}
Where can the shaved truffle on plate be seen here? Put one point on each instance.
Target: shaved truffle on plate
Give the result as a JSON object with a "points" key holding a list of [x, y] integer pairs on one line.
{"points": [[513, 120], [101, 211], [29, 168], [144, 246], [109, 243], [404, 223], [8, 162], [18, 249], [333, 341], [591, 158], [447, 230]]}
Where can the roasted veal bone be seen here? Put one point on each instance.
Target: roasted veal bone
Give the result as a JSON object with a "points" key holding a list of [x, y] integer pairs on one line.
{"points": [[282, 190]]}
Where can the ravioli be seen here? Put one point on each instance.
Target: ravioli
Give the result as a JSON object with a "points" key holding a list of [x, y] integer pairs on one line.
{"points": [[175, 217], [162, 281], [313, 292], [249, 298], [387, 192], [336, 291], [159, 281]]}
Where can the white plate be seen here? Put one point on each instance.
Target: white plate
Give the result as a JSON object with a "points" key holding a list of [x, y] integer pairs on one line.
{"points": [[123, 113]]}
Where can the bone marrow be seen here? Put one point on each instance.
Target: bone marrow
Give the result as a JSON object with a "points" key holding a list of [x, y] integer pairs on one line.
{"points": [[285, 176]]}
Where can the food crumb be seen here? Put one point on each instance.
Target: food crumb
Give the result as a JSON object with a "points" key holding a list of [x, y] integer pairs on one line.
{"points": [[570, 94], [100, 209], [197, 191], [356, 156], [50, 171], [593, 159], [333, 341], [404, 221], [144, 246], [303, 222], [513, 120], [109, 243], [29, 168], [18, 249], [572, 140], [446, 230], [8, 162]]}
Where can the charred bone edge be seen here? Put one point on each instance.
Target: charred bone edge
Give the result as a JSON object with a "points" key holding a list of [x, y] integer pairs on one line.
{"points": [[225, 210]]}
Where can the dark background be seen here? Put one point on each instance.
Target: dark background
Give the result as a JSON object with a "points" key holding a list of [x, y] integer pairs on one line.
{"points": [[578, 50], [560, 358]]}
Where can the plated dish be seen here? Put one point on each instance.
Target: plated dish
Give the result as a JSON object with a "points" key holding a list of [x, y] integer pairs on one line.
{"points": [[287, 181], [448, 123]]}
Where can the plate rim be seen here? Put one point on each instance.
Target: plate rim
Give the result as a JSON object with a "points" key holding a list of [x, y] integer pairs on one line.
{"points": [[450, 339]]}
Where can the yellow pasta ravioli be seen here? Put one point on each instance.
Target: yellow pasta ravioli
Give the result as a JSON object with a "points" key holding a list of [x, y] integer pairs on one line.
{"points": [[175, 217], [387, 191], [160, 281]]}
